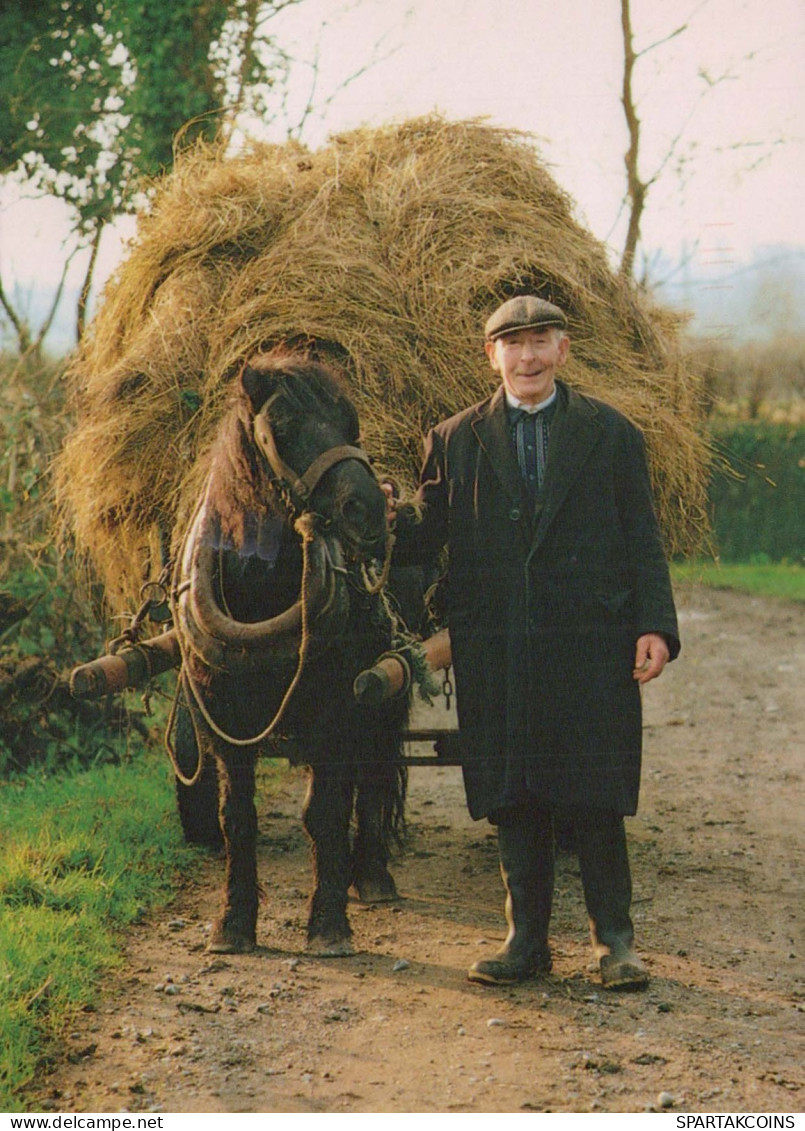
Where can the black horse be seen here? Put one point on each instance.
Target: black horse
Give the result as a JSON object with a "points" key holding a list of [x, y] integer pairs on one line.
{"points": [[276, 615]]}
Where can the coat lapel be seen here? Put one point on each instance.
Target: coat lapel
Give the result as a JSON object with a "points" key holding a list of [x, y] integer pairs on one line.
{"points": [[573, 438], [493, 432]]}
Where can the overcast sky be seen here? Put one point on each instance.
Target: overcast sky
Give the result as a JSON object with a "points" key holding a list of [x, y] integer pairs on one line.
{"points": [[731, 85], [554, 68]]}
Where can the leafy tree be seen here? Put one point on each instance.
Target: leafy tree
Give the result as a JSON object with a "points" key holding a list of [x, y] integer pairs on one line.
{"points": [[95, 94]]}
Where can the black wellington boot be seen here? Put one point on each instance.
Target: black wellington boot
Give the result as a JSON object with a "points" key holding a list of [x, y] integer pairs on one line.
{"points": [[607, 882], [526, 866]]}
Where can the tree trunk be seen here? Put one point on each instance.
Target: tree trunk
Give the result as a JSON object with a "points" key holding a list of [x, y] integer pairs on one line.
{"points": [[635, 188]]}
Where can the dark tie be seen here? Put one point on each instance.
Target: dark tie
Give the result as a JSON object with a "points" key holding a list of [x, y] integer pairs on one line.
{"points": [[530, 430]]}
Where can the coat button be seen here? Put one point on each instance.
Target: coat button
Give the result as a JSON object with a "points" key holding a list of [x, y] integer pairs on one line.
{"points": [[514, 514]]}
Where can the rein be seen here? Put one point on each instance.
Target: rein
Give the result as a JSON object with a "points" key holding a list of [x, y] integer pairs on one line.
{"points": [[303, 526], [375, 585]]}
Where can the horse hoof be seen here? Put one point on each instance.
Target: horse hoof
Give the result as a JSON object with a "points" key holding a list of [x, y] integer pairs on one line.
{"points": [[330, 948], [226, 942], [378, 889]]}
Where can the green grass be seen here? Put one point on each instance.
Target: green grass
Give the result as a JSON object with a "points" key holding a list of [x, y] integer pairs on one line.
{"points": [[763, 579], [83, 856]]}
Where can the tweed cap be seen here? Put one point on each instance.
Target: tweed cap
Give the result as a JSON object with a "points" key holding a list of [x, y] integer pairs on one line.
{"points": [[525, 312]]}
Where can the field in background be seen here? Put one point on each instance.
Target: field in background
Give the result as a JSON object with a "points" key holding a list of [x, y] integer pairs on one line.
{"points": [[782, 580]]}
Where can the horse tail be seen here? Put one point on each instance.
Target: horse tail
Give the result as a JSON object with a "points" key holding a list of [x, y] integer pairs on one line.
{"points": [[393, 827]]}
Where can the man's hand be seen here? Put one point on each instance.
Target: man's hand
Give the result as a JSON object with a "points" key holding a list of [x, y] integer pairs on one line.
{"points": [[390, 491], [651, 657]]}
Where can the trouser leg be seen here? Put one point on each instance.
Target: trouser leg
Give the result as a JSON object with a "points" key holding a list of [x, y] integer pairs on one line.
{"points": [[525, 847], [607, 882]]}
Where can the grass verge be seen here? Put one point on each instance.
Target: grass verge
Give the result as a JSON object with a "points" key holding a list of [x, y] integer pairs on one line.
{"points": [[782, 580], [83, 856]]}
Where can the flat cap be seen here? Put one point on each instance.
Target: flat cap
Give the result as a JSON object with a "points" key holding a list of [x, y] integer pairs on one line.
{"points": [[525, 312]]}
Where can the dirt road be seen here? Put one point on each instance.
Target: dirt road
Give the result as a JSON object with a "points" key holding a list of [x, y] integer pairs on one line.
{"points": [[717, 853]]}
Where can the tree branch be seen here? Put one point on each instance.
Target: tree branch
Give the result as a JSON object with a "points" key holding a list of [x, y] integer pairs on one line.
{"points": [[311, 103], [21, 327], [661, 42], [86, 286], [48, 322]]}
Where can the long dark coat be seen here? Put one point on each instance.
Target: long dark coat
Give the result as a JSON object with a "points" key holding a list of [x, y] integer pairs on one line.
{"points": [[545, 606]]}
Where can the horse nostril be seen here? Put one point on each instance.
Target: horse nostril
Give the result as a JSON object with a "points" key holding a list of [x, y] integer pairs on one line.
{"points": [[355, 514], [363, 520]]}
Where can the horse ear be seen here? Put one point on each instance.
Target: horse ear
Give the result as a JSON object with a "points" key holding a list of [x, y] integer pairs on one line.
{"points": [[257, 385]]}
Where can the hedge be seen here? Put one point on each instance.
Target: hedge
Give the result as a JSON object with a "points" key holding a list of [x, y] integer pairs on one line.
{"points": [[757, 491]]}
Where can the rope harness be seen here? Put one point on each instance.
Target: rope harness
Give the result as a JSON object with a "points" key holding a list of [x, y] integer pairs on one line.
{"points": [[299, 489], [304, 527]]}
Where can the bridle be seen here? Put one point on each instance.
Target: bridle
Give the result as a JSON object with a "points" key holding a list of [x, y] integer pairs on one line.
{"points": [[300, 488]]}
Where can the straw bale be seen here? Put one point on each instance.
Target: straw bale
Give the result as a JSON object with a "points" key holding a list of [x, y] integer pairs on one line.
{"points": [[384, 251]]}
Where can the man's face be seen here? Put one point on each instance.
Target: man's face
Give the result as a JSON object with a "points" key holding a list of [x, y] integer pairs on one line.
{"points": [[527, 361]]}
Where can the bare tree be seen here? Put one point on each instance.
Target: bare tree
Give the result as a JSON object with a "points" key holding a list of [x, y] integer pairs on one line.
{"points": [[636, 188], [637, 185]]}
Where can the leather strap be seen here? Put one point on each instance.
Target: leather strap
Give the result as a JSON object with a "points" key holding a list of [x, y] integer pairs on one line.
{"points": [[301, 486]]}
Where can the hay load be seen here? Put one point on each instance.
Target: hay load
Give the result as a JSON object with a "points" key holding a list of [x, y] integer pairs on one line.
{"points": [[383, 252]]}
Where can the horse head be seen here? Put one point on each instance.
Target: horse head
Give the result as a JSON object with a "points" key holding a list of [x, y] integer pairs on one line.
{"points": [[286, 453], [306, 429]]}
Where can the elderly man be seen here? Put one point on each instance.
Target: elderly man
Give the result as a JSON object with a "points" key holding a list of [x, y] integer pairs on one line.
{"points": [[560, 607]]}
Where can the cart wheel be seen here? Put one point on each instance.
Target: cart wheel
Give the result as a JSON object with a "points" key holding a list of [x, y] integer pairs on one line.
{"points": [[197, 804]]}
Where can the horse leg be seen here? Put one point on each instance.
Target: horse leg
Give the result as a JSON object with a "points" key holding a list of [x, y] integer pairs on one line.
{"points": [[326, 816], [235, 929], [372, 880]]}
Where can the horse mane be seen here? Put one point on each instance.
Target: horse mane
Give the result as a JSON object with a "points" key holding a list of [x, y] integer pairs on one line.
{"points": [[241, 483]]}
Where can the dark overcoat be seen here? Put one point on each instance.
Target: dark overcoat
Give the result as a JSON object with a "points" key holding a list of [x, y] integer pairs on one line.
{"points": [[545, 604]]}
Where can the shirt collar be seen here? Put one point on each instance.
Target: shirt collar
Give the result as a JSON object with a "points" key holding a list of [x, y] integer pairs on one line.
{"points": [[514, 404]]}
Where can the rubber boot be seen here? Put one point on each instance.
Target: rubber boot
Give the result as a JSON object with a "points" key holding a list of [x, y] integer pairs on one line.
{"points": [[526, 866], [607, 883]]}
